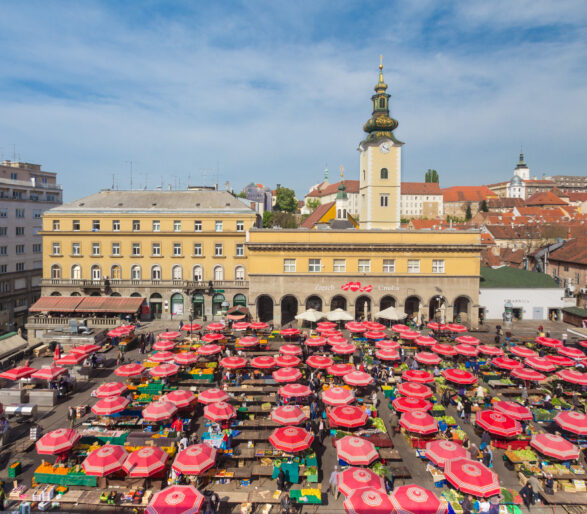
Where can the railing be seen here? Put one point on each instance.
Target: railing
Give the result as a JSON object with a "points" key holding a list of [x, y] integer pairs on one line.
{"points": [[115, 283], [91, 322]]}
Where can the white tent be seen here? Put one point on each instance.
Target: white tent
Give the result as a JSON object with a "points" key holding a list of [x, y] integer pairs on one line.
{"points": [[339, 315], [311, 315], [391, 314]]}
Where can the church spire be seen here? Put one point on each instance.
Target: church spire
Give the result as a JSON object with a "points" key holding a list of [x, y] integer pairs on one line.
{"points": [[341, 195]]}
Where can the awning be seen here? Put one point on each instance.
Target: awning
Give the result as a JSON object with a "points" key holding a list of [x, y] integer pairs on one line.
{"points": [[56, 304], [110, 304], [11, 343], [238, 309]]}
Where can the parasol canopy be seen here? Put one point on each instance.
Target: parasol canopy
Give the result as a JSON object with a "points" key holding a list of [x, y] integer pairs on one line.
{"points": [[352, 479], [409, 404], [368, 501], [110, 389], [212, 395], [415, 390], [413, 499], [337, 396], [572, 421], [472, 477], [554, 446], [348, 416], [110, 405], [57, 441], [439, 451], [195, 459], [459, 376], [288, 415], [419, 422], [287, 375], [357, 378], [291, 439], [146, 462], [498, 424], [356, 451], [105, 460], [176, 499]]}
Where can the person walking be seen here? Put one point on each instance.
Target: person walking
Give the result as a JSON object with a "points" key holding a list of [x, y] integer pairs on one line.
{"points": [[333, 483], [71, 414]]}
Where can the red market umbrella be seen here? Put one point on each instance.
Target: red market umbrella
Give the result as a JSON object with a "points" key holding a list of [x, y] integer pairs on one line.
{"points": [[121, 331], [176, 499], [233, 362], [425, 341], [355, 326], [498, 423], [331, 333], [110, 389], [50, 373], [433, 325], [263, 362], [440, 451], [130, 370], [334, 340], [368, 501], [319, 361], [428, 358], [325, 325], [180, 398], [210, 338], [409, 335], [316, 341], [417, 375], [164, 344], [408, 404], [348, 416], [219, 411], [241, 325], [415, 390], [105, 460], [455, 327], [560, 360], [419, 422], [386, 344], [528, 374], [248, 341], [472, 477], [288, 415], [209, 349], [295, 391], [163, 356], [337, 396], [357, 378], [287, 375], [344, 349], [86, 348], [375, 334], [583, 344], [522, 351], [444, 349], [540, 363], [506, 363], [212, 395], [340, 370], [353, 479], [169, 335], [185, 358], [514, 410], [490, 350], [573, 376], [195, 459], [193, 327], [549, 341], [573, 353], [400, 328], [289, 332], [110, 405], [71, 359], [215, 327], [572, 421], [413, 499], [467, 349], [164, 370], [356, 451], [387, 355], [290, 349], [467, 340], [57, 441], [554, 446], [373, 325], [259, 325], [459, 376], [159, 410], [287, 361], [146, 462], [291, 439]]}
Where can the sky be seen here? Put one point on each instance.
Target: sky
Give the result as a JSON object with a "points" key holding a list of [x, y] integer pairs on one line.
{"points": [[273, 91]]}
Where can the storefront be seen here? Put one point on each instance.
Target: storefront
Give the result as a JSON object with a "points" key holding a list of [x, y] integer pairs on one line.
{"points": [[198, 304], [177, 310], [217, 307], [239, 299]]}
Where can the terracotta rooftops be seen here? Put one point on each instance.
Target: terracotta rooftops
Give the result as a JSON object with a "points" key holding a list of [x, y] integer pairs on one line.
{"points": [[420, 188]]}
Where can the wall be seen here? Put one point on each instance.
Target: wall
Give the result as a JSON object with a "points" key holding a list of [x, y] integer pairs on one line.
{"points": [[493, 300]]}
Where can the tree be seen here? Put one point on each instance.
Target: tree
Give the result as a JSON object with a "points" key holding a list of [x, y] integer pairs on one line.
{"points": [[431, 176], [242, 194], [267, 219], [285, 200], [483, 207], [312, 204], [468, 213]]}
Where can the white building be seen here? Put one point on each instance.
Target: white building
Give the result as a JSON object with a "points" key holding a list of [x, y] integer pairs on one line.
{"points": [[421, 200]]}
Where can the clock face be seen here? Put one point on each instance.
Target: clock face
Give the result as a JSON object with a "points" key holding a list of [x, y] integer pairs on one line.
{"points": [[385, 147]]}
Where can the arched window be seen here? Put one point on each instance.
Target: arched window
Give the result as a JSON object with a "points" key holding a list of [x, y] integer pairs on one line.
{"points": [[239, 273], [198, 273], [115, 272], [55, 271], [339, 214], [382, 103], [135, 272], [344, 213], [384, 173], [76, 272], [176, 272], [96, 273], [156, 272], [218, 273]]}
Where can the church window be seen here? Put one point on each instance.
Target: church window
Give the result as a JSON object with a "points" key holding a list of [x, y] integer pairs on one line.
{"points": [[384, 173], [382, 103], [384, 200]]}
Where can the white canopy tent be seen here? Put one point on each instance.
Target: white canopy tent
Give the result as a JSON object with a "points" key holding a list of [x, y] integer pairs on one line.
{"points": [[391, 314], [311, 315], [339, 315]]}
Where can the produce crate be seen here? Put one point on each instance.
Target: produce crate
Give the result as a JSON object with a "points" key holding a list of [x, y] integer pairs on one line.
{"points": [[14, 470]]}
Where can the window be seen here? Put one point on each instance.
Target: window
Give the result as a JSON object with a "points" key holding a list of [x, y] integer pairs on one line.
{"points": [[50, 198], [135, 272], [198, 226], [218, 273], [3, 231], [96, 273], [3, 213], [20, 214], [115, 225], [115, 248], [314, 265], [289, 265], [20, 266], [136, 248], [240, 250], [177, 272], [3, 250], [19, 231], [76, 272], [177, 249], [136, 225], [56, 248], [240, 226], [388, 265], [239, 273], [95, 248], [218, 249], [218, 226], [75, 225], [156, 226], [364, 265], [156, 273], [198, 273], [384, 173], [156, 249], [55, 271], [5, 286], [197, 248], [413, 266], [3, 268], [438, 266], [115, 273], [56, 224], [37, 248], [383, 200], [339, 266], [177, 226], [13, 176], [95, 225]]}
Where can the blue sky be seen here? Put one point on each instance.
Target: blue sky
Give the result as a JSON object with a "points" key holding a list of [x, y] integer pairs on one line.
{"points": [[272, 91]]}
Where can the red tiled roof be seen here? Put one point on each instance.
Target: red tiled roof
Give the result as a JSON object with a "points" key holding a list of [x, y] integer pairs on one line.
{"points": [[577, 197], [315, 216], [487, 239], [467, 194], [534, 181], [56, 304], [113, 304], [544, 198], [573, 251], [504, 203], [352, 186], [420, 188]]}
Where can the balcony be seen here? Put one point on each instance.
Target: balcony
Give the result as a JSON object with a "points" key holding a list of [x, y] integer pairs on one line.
{"points": [[114, 284]]}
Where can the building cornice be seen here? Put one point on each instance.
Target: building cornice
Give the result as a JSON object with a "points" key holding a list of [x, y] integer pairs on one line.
{"points": [[350, 247]]}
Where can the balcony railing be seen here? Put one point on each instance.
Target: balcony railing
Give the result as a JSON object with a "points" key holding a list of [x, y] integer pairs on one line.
{"points": [[186, 284]]}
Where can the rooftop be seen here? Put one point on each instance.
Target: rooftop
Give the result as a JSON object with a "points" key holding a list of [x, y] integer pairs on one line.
{"points": [[316, 215], [544, 198], [467, 193], [352, 186], [573, 251], [420, 188], [505, 277]]}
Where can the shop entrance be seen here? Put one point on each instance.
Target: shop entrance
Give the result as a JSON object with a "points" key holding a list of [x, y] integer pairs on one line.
{"points": [[156, 304], [198, 303], [177, 311]]}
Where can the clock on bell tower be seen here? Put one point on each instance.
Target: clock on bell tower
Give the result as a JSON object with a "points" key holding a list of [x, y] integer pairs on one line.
{"points": [[380, 161]]}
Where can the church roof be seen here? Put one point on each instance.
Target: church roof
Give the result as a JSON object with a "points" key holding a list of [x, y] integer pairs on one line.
{"points": [[352, 186]]}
